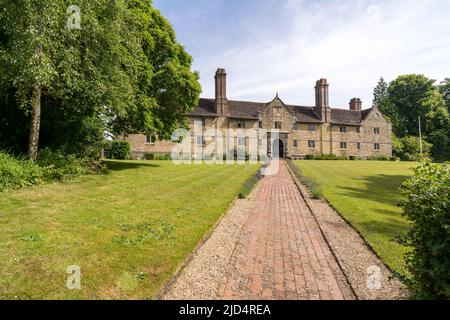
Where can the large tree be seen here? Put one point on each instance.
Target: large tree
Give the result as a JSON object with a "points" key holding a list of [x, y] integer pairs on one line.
{"points": [[109, 72], [445, 90], [382, 101], [414, 97]]}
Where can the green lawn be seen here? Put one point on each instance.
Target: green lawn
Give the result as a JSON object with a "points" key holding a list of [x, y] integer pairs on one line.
{"points": [[366, 193], [127, 230]]}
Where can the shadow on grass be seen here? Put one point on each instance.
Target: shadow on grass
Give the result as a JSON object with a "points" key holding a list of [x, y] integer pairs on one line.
{"points": [[390, 228], [381, 188], [112, 165]]}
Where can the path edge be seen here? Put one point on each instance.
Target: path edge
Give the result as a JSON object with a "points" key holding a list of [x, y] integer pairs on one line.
{"points": [[183, 264]]}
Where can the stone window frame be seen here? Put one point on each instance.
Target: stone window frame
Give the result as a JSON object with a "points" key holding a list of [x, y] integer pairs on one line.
{"points": [[311, 127], [377, 147], [295, 143], [241, 124], [358, 145], [376, 131], [200, 140], [280, 127], [311, 144], [358, 129], [260, 124], [343, 145], [240, 140], [343, 129], [150, 139]]}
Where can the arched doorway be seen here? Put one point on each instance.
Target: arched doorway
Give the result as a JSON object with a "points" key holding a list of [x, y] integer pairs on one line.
{"points": [[278, 149]]}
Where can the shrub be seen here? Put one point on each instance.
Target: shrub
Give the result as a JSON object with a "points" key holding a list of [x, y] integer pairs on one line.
{"points": [[353, 158], [149, 156], [314, 187], [406, 157], [16, 173], [57, 165], [248, 186], [310, 157], [427, 206], [120, 150]]}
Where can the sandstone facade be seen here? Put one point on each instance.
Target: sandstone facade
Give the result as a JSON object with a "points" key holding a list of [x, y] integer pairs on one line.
{"points": [[300, 130]]}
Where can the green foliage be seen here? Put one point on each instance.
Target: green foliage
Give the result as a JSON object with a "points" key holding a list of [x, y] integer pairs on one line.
{"points": [[157, 156], [310, 157], [123, 71], [408, 148], [61, 166], [248, 186], [313, 186], [444, 88], [16, 173], [427, 207], [410, 97], [149, 156], [326, 157], [120, 150]]}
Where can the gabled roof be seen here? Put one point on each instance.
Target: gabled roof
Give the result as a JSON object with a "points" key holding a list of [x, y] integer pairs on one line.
{"points": [[244, 109], [205, 108], [342, 116], [247, 110]]}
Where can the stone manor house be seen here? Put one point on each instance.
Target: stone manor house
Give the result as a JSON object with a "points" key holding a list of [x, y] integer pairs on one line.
{"points": [[302, 130]]}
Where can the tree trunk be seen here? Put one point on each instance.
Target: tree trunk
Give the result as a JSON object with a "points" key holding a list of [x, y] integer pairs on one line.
{"points": [[33, 142]]}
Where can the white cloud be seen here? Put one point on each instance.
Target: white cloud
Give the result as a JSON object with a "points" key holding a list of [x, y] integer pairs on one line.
{"points": [[350, 43]]}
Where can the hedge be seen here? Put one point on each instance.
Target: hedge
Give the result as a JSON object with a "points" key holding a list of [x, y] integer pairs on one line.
{"points": [[427, 207]]}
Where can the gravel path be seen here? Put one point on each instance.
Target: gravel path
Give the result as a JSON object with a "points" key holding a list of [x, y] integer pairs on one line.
{"points": [[272, 246], [359, 263]]}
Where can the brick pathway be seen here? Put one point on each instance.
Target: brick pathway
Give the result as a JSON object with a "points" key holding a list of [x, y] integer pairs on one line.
{"points": [[280, 253]]}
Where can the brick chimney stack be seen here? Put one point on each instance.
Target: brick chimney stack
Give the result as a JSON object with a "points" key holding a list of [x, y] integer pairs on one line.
{"points": [[356, 104], [322, 100], [221, 102]]}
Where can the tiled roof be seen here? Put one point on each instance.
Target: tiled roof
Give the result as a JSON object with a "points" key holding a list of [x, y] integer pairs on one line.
{"points": [[205, 108], [342, 116], [244, 109], [250, 110], [305, 114]]}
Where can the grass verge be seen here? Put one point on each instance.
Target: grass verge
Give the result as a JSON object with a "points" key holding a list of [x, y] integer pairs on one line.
{"points": [[366, 194]]}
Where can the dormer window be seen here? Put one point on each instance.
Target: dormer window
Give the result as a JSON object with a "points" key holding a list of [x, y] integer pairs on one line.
{"points": [[343, 129], [311, 127], [241, 124]]}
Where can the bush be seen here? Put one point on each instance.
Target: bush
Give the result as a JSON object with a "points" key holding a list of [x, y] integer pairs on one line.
{"points": [[427, 206], [326, 157], [314, 187], [120, 150], [353, 158], [149, 156], [16, 173], [408, 148], [248, 186], [406, 157], [310, 157]]}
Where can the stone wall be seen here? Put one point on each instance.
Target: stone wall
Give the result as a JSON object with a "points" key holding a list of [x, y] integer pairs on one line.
{"points": [[327, 137]]}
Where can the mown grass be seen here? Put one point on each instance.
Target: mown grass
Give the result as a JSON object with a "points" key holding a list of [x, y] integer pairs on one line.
{"points": [[128, 230], [366, 193]]}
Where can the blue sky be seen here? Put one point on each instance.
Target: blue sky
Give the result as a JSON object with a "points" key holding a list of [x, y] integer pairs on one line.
{"points": [[284, 46]]}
